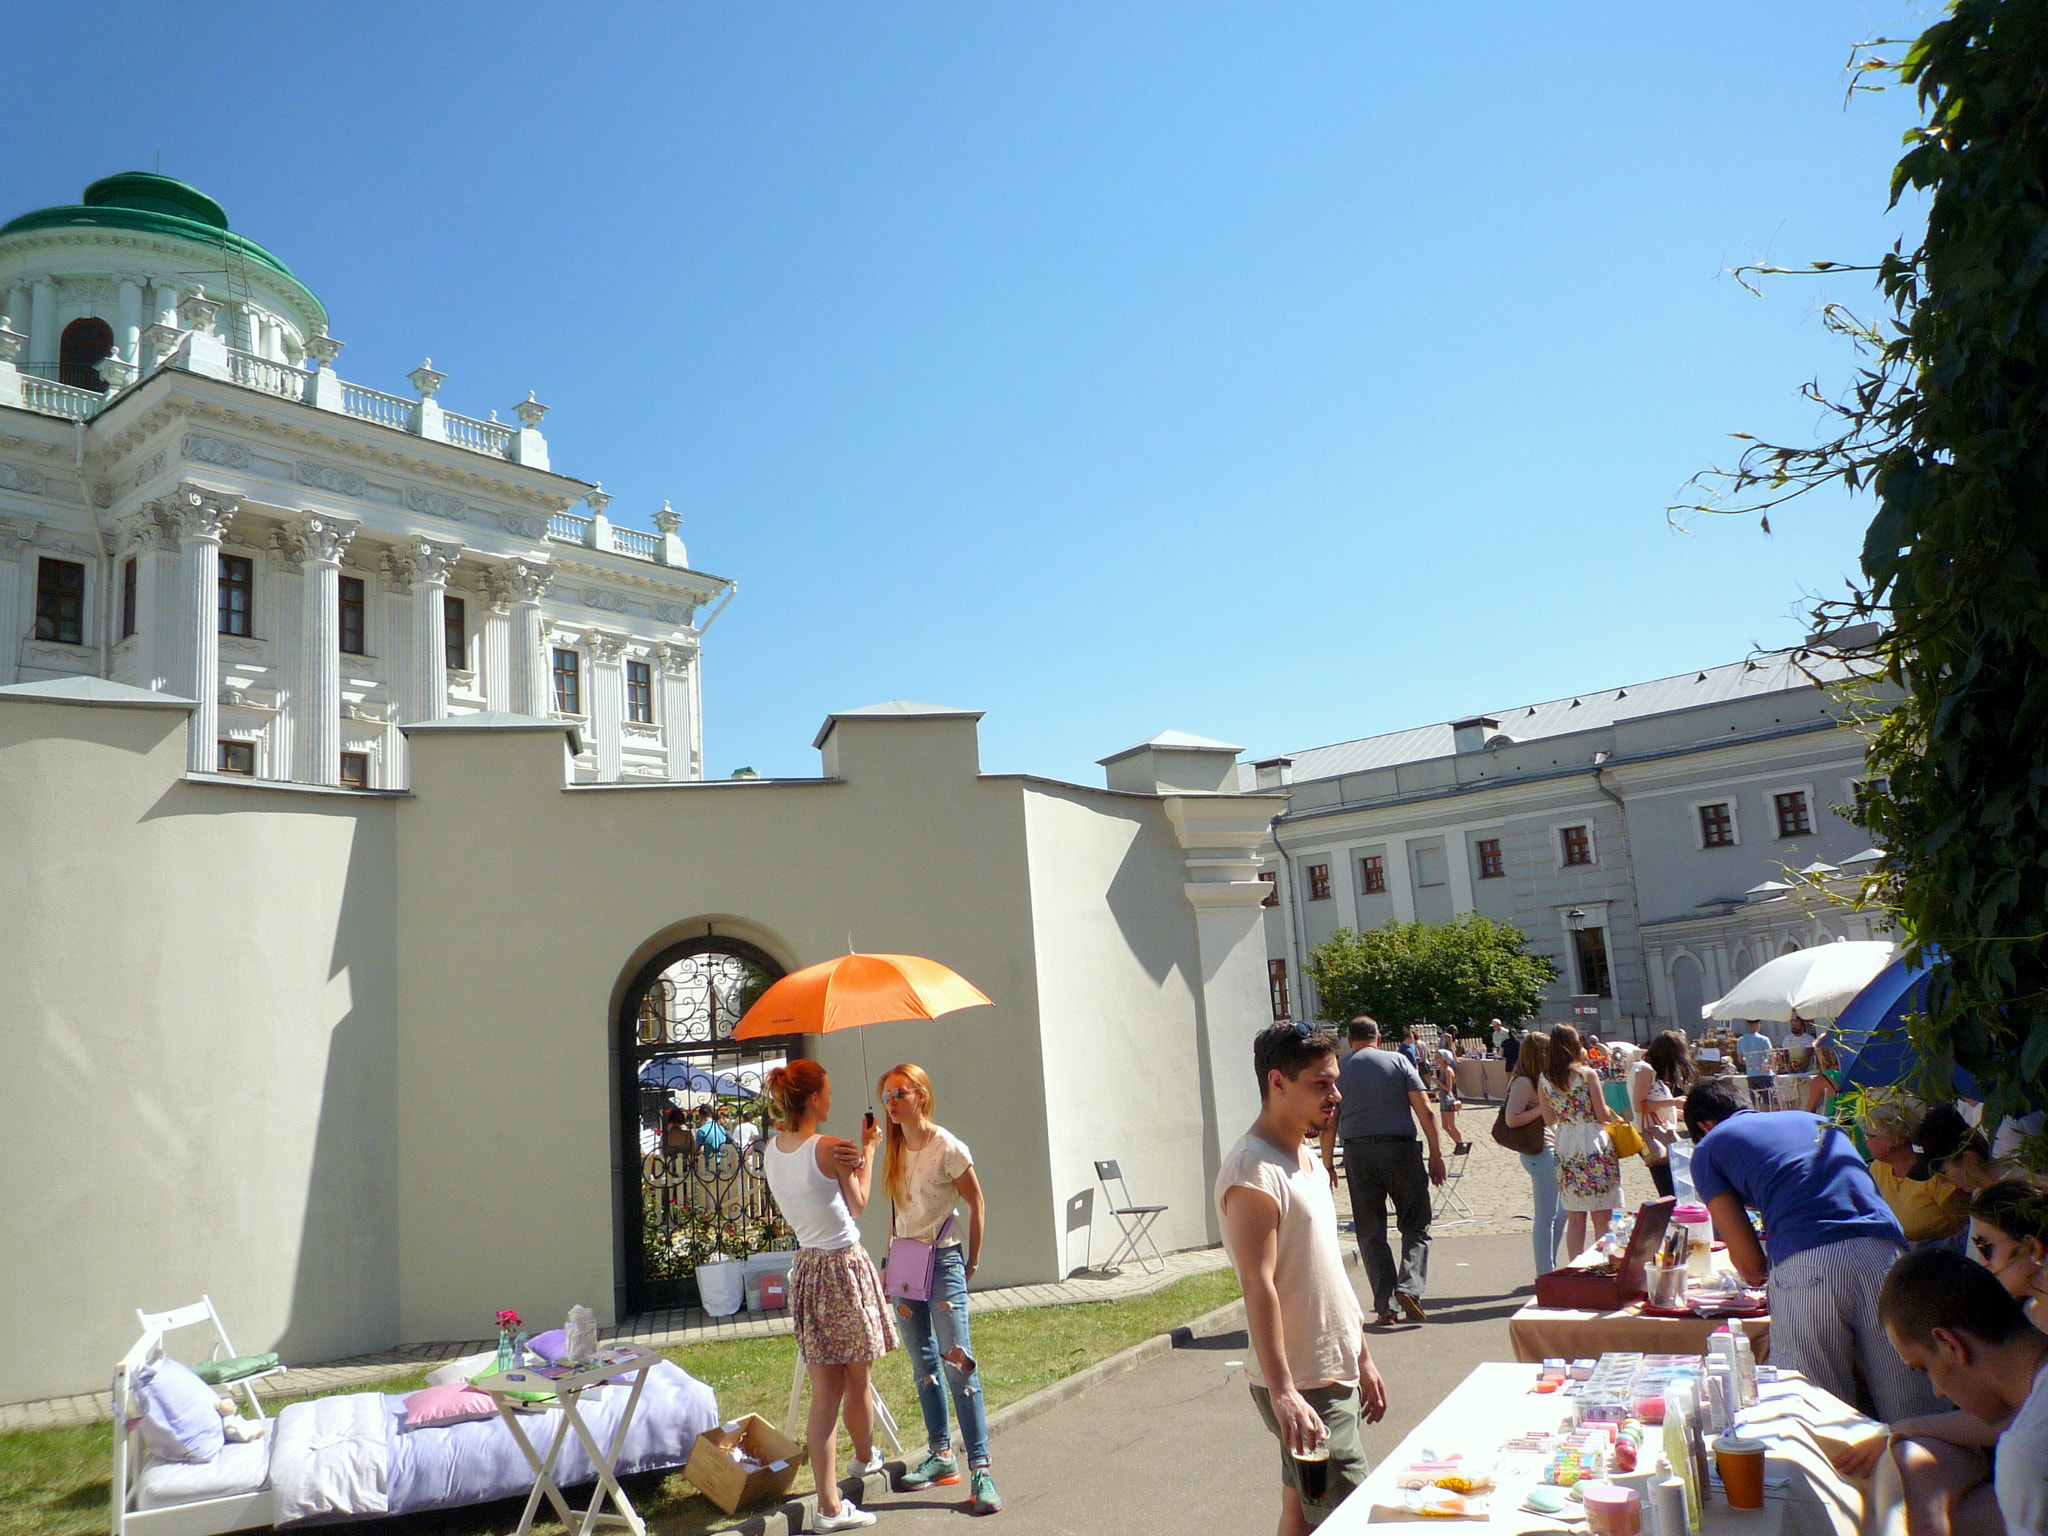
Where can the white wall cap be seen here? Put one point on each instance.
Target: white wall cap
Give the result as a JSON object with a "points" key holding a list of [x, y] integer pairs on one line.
{"points": [[495, 720], [94, 692], [1170, 741], [893, 709]]}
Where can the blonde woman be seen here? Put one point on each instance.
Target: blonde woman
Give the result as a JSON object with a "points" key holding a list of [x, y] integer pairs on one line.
{"points": [[1525, 1107], [929, 1172], [842, 1319], [1577, 1112]]}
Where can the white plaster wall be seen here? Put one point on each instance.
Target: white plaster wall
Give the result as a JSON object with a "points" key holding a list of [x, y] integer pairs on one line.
{"points": [[196, 1050], [1118, 974]]}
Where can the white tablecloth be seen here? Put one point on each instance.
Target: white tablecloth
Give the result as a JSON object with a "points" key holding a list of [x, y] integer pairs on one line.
{"points": [[1803, 1495]]}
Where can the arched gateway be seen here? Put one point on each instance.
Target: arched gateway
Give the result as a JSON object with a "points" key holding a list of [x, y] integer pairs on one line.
{"points": [[687, 1193]]}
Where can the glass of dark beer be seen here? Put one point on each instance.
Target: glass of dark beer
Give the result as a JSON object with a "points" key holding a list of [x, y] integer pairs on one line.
{"points": [[1312, 1472]]}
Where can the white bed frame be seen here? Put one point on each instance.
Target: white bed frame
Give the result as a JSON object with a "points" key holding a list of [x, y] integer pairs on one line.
{"points": [[206, 1517]]}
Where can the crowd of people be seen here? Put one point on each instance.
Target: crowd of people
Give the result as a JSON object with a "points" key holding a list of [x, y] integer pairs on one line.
{"points": [[1915, 1277]]}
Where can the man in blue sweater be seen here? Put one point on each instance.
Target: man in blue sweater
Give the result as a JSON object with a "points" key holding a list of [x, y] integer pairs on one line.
{"points": [[1831, 1239]]}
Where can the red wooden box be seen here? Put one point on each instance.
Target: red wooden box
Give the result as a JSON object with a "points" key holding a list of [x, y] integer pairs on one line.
{"points": [[1613, 1283]]}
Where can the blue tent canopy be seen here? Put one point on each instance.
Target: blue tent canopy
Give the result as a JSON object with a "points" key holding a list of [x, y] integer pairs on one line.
{"points": [[1870, 1034], [681, 1073]]}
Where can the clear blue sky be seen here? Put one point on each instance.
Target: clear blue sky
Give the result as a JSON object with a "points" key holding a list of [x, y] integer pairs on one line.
{"points": [[1283, 374]]}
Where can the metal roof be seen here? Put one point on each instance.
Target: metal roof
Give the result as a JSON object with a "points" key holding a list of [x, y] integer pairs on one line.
{"points": [[1579, 712]]}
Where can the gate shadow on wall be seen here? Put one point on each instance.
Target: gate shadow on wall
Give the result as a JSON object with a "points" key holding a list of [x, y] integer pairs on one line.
{"points": [[693, 1118]]}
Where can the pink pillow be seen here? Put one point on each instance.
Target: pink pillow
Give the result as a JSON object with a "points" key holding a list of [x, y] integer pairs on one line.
{"points": [[456, 1403]]}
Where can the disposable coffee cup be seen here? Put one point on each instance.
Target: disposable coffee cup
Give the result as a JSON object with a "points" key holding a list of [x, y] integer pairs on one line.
{"points": [[1741, 1464], [1312, 1472]]}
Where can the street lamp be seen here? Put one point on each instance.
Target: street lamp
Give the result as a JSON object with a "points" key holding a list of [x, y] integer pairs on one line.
{"points": [[1574, 918]]}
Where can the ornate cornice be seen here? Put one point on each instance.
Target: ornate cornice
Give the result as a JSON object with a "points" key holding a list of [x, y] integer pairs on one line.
{"points": [[421, 560], [194, 512], [519, 581], [314, 538]]}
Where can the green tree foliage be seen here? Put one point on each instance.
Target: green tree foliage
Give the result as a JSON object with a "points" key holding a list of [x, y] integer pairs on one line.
{"points": [[1947, 426], [1447, 974]]}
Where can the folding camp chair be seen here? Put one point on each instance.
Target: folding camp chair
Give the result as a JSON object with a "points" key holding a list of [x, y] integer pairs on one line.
{"points": [[1448, 1199], [793, 1426], [222, 1367], [1136, 1220]]}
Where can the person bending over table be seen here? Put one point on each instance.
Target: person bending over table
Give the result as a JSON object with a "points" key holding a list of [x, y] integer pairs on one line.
{"points": [[1831, 1241], [1312, 1374], [1951, 1148]]}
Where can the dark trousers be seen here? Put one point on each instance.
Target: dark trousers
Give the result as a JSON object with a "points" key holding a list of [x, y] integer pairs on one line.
{"points": [[1379, 1171]]}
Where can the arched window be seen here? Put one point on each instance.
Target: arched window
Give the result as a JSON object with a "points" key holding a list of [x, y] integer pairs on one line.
{"points": [[85, 345]]}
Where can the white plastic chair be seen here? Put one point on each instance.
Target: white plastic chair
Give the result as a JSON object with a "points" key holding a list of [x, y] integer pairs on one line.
{"points": [[1136, 1221], [202, 1311]]}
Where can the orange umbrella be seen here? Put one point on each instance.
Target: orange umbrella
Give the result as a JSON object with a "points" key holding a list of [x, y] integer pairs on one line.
{"points": [[852, 990]]}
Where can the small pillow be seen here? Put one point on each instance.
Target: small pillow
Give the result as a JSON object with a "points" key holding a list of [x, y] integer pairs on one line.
{"points": [[219, 1373], [463, 1370], [179, 1419], [551, 1345], [438, 1407]]}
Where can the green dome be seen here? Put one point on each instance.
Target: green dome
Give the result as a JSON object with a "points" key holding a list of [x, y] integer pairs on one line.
{"points": [[152, 204]]}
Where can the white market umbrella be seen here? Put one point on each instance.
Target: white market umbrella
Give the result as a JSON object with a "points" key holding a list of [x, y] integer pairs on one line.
{"points": [[1814, 983]]}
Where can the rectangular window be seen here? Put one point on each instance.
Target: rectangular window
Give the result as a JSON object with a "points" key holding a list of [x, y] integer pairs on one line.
{"points": [[355, 770], [60, 601], [1793, 817], [352, 615], [1276, 983], [238, 589], [1590, 948], [568, 682], [1272, 889], [1867, 791], [127, 597], [1717, 827], [1372, 875], [1578, 845], [237, 757], [1319, 882], [1490, 865], [455, 633], [639, 693]]}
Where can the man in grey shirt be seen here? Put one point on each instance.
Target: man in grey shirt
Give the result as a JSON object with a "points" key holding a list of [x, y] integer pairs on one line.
{"points": [[1383, 1100]]}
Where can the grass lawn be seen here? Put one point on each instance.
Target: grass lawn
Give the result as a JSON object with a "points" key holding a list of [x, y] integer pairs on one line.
{"points": [[53, 1482]]}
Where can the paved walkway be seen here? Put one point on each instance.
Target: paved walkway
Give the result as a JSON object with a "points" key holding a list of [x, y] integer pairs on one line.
{"points": [[655, 1329]]}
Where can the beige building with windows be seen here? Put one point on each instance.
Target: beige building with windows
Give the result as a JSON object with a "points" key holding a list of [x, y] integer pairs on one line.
{"points": [[192, 500]]}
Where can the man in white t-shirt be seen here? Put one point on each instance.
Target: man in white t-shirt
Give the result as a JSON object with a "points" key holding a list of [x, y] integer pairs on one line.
{"points": [[1952, 1319], [1311, 1372]]}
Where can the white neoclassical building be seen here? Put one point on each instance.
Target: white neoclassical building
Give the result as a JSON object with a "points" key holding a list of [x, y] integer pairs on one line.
{"points": [[192, 501]]}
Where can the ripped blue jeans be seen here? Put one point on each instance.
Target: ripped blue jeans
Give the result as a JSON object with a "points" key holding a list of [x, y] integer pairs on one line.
{"points": [[935, 1329]]}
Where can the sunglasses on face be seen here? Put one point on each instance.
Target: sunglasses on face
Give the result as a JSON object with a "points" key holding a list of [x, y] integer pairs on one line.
{"points": [[894, 1095]]}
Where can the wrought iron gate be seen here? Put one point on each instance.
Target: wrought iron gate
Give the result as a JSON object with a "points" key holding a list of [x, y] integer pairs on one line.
{"points": [[692, 1191]]}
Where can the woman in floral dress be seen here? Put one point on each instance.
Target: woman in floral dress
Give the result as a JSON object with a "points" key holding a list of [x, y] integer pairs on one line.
{"points": [[1588, 1172]]}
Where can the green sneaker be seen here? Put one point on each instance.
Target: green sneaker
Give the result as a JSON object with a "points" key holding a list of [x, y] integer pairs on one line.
{"points": [[935, 1471], [982, 1498]]}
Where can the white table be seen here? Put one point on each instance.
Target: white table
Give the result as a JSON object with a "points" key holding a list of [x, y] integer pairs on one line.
{"points": [[506, 1388], [1803, 1495]]}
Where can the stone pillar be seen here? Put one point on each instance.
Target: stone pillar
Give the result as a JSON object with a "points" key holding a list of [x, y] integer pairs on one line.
{"points": [[426, 416], [668, 522], [528, 446], [13, 541], [11, 344], [318, 542], [524, 583], [607, 701], [128, 320], [42, 319], [494, 644], [198, 517], [678, 718], [323, 390], [423, 564]]}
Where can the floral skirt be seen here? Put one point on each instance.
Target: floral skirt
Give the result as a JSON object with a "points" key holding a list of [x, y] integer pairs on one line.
{"points": [[1588, 1172], [842, 1317]]}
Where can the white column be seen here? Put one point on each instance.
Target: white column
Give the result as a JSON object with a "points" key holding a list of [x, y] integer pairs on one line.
{"points": [[128, 320], [319, 542], [525, 583], [42, 320], [607, 701], [678, 710], [13, 541], [1400, 880], [199, 517], [18, 306], [427, 565], [288, 611], [494, 648]]}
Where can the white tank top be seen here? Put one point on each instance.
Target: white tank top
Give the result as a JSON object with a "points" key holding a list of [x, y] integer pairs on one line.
{"points": [[811, 1200]]}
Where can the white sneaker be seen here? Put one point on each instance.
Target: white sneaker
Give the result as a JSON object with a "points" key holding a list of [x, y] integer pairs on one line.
{"points": [[850, 1517], [874, 1463]]}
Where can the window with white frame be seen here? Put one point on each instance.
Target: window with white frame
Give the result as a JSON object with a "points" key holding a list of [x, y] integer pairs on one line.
{"points": [[1575, 846], [1793, 810], [1717, 823], [1319, 882]]}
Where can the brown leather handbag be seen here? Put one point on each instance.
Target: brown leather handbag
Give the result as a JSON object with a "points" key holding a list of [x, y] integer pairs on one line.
{"points": [[1517, 1138]]}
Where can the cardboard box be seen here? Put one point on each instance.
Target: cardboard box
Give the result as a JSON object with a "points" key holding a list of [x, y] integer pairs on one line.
{"points": [[725, 1482]]}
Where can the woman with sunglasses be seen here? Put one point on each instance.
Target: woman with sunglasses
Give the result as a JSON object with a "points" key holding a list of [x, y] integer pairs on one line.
{"points": [[929, 1172], [2009, 1237]]}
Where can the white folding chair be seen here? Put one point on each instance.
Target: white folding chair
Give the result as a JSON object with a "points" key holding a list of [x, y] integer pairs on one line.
{"points": [[1448, 1199], [792, 1426], [202, 1311], [1136, 1221]]}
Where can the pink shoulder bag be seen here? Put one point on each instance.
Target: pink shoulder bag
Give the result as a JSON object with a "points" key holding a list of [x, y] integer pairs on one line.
{"points": [[908, 1272]]}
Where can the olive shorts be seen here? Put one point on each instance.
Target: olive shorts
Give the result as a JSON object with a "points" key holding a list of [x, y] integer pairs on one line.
{"points": [[1338, 1407]]}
